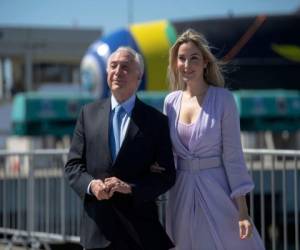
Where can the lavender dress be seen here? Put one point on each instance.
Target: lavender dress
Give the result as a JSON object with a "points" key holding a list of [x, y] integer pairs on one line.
{"points": [[211, 172]]}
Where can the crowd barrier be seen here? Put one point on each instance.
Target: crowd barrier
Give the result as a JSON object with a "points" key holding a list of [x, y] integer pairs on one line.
{"points": [[37, 206]]}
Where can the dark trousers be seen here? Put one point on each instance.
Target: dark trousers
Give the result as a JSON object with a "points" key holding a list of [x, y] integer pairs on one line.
{"points": [[122, 240], [116, 248], [122, 243], [107, 248]]}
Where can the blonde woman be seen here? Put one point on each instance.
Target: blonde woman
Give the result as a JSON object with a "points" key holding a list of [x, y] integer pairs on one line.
{"points": [[207, 208]]}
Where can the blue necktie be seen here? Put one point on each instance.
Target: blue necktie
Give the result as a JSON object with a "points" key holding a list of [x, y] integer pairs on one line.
{"points": [[116, 123]]}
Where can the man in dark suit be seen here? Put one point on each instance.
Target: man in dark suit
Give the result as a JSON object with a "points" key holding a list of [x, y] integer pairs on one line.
{"points": [[115, 143]]}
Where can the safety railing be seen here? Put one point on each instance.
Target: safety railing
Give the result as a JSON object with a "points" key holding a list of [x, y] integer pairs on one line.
{"points": [[275, 202], [37, 206]]}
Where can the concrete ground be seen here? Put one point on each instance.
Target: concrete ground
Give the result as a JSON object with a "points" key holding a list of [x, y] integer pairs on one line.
{"points": [[3, 247], [53, 247]]}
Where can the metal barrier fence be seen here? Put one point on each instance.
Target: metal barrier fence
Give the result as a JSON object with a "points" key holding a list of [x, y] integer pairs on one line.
{"points": [[37, 206]]}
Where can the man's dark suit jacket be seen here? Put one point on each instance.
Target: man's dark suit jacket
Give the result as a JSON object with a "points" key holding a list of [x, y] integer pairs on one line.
{"points": [[147, 141]]}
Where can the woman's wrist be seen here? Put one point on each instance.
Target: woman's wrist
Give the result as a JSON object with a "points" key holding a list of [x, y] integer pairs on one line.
{"points": [[243, 215], [242, 208]]}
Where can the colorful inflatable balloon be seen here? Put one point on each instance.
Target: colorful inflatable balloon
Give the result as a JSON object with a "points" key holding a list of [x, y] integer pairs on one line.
{"points": [[152, 40], [262, 51]]}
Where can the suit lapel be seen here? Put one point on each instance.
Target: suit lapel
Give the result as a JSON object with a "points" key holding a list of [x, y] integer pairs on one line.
{"points": [[102, 125]]}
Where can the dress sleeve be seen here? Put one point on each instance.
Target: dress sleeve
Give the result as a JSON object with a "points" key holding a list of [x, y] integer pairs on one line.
{"points": [[165, 105], [233, 159]]}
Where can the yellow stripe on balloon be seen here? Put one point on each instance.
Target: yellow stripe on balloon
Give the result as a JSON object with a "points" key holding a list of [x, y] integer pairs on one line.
{"points": [[154, 43], [288, 51]]}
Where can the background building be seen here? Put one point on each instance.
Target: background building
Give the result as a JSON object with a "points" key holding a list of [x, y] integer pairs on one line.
{"points": [[31, 57]]}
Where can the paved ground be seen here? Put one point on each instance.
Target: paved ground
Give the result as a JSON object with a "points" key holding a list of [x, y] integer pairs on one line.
{"points": [[53, 247], [2, 247]]}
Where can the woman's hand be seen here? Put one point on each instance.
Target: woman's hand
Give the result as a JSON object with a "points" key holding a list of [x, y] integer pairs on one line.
{"points": [[245, 223], [155, 168], [246, 228]]}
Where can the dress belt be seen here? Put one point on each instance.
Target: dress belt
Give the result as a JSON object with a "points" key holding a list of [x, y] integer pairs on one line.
{"points": [[198, 163]]}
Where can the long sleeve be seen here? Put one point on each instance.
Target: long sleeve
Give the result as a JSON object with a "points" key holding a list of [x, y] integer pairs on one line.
{"points": [[155, 184], [75, 168], [239, 179]]}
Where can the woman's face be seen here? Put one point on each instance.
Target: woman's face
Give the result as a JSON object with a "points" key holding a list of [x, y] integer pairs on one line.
{"points": [[190, 62]]}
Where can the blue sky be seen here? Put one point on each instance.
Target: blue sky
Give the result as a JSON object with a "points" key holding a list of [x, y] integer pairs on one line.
{"points": [[113, 14]]}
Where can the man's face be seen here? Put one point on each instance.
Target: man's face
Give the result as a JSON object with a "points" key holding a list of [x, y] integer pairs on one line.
{"points": [[123, 75]]}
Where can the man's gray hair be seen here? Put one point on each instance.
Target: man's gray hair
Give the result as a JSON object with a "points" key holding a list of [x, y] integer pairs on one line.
{"points": [[137, 57]]}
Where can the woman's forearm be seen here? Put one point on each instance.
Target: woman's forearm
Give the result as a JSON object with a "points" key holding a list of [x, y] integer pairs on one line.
{"points": [[242, 207]]}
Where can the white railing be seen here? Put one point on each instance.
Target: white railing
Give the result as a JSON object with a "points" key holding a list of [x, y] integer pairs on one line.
{"points": [[37, 205], [275, 200]]}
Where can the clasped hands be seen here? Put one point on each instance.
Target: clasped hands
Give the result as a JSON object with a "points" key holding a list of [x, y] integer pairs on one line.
{"points": [[104, 190]]}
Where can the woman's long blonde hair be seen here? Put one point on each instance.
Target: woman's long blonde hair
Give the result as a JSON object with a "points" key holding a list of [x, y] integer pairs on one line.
{"points": [[213, 71]]}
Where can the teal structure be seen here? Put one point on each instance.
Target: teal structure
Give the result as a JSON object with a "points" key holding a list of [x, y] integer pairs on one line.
{"points": [[55, 114]]}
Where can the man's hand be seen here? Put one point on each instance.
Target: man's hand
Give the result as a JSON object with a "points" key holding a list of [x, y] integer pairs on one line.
{"points": [[113, 184], [99, 189]]}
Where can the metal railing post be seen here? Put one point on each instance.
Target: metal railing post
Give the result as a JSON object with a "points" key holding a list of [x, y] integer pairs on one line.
{"points": [[262, 199], [30, 195], [63, 206], [274, 233], [284, 204], [296, 209]]}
